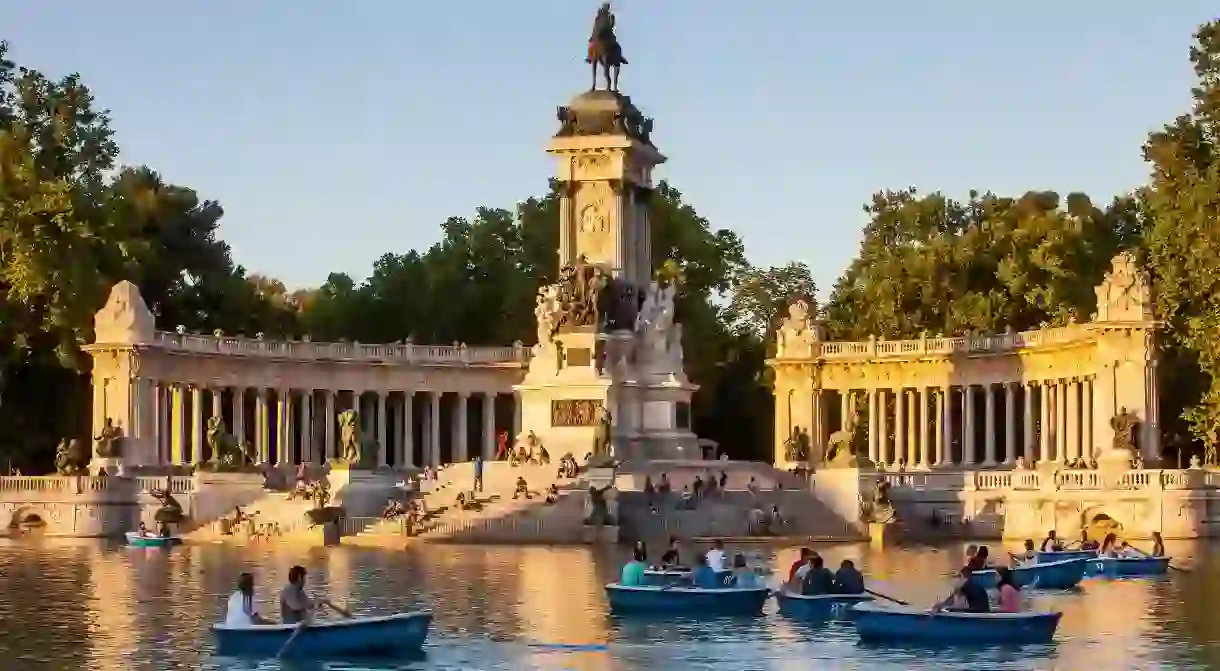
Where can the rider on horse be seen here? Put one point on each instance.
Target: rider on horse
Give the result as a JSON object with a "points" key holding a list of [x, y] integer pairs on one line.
{"points": [[604, 48]]}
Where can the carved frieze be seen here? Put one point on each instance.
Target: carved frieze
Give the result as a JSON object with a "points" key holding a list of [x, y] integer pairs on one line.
{"points": [[575, 412], [594, 221]]}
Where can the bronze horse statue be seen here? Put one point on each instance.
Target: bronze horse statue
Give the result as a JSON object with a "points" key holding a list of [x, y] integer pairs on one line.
{"points": [[604, 49]]}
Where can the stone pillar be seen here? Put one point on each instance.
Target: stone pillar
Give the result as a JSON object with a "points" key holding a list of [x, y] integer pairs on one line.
{"points": [[944, 437], [1010, 423], [408, 429], [308, 454], [989, 425], [913, 443], [874, 453], [1073, 419], [1044, 421], [217, 394], [196, 425], [461, 451], [971, 458], [239, 415], [434, 429], [177, 424], [883, 429], [845, 410], [1027, 389], [900, 425], [383, 440], [1061, 420], [925, 459], [516, 417], [263, 420], [283, 427], [1086, 417], [488, 433], [328, 424], [158, 434]]}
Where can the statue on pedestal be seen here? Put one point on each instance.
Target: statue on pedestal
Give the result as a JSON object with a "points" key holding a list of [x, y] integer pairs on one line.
{"points": [[598, 510], [72, 457], [227, 454], [878, 510], [109, 443], [604, 49], [1124, 425], [603, 439], [354, 449]]}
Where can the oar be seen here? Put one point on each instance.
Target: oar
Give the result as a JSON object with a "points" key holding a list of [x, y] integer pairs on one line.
{"points": [[1152, 556], [900, 602], [295, 632]]}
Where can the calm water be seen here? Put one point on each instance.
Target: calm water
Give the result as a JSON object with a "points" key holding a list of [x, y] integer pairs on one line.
{"points": [[77, 605]]}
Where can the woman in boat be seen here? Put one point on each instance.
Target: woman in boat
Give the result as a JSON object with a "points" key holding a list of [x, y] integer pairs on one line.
{"points": [[979, 561], [819, 579], [968, 595], [1010, 594], [1051, 543], [1125, 551], [1028, 556], [642, 548], [633, 571], [744, 576], [970, 550], [240, 611], [1108, 544], [1158, 544]]}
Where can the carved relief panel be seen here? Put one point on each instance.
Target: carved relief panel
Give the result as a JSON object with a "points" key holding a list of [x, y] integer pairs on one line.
{"points": [[575, 412], [594, 223]]}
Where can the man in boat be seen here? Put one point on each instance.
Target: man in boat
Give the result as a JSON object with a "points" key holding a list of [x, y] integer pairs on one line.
{"points": [[798, 565], [1028, 556], [819, 579], [716, 558], [1051, 543], [1085, 543], [673, 556], [973, 596], [848, 579], [295, 605], [240, 611], [633, 571]]}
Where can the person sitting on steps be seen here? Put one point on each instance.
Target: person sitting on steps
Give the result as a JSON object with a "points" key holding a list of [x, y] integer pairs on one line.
{"points": [[522, 489], [552, 494]]}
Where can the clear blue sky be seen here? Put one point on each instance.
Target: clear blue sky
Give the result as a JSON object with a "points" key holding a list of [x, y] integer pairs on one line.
{"points": [[333, 132]]}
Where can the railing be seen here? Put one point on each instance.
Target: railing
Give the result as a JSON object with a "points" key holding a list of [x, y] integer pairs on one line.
{"points": [[175, 484], [874, 348], [52, 484], [457, 354], [1064, 480]]}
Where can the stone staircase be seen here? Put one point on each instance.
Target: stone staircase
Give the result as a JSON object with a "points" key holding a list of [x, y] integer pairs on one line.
{"points": [[274, 508]]}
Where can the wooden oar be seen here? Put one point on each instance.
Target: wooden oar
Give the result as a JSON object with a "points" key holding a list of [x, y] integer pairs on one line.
{"points": [[295, 632], [900, 602]]}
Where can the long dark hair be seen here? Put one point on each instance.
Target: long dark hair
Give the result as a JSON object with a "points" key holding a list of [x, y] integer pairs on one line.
{"points": [[1006, 577]]}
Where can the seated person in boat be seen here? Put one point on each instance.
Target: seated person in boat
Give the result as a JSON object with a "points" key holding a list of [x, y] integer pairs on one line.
{"points": [[744, 576], [848, 579], [1028, 556], [797, 566], [1051, 543], [552, 494], [143, 530], [819, 579], [295, 605], [1109, 546], [240, 611], [980, 560], [704, 576], [968, 595], [523, 488], [672, 557], [1158, 544], [1085, 543], [1010, 594], [1125, 551], [716, 557], [633, 571]]}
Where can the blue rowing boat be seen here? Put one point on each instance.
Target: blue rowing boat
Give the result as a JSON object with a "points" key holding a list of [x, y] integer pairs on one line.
{"points": [[670, 576], [1061, 574], [686, 599], [818, 606], [1065, 554], [892, 624], [399, 634], [138, 540], [1128, 567]]}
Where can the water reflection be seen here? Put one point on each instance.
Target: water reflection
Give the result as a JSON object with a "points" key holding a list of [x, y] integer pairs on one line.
{"points": [[72, 605]]}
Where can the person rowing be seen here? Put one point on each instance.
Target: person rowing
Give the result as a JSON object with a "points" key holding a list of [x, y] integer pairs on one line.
{"points": [[296, 607], [978, 562], [818, 580], [672, 559], [1010, 594], [848, 579], [797, 565], [1029, 556], [1108, 545], [968, 595], [633, 571], [240, 611], [1158, 544]]}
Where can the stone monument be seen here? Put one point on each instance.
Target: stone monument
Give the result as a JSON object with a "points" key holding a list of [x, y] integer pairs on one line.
{"points": [[607, 337]]}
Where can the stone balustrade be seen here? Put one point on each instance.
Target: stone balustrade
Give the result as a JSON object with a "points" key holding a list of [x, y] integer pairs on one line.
{"points": [[936, 345], [1064, 480], [458, 354]]}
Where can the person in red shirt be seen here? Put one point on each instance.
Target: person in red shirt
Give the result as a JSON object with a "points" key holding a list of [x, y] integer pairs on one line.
{"points": [[805, 553], [502, 448]]}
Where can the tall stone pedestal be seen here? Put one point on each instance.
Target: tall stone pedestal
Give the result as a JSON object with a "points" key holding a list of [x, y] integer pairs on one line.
{"points": [[361, 493]]}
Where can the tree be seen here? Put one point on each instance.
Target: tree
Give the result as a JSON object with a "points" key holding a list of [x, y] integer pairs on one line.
{"points": [[761, 296]]}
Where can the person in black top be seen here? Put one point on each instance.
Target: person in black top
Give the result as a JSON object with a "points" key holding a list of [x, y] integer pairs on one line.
{"points": [[848, 580], [971, 592], [672, 556], [819, 580]]}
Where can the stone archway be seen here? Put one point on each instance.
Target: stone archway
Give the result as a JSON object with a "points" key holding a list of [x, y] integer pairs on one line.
{"points": [[28, 519], [1096, 522]]}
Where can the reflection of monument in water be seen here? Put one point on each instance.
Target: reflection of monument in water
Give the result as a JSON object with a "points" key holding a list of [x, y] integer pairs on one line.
{"points": [[607, 336], [114, 629], [559, 596]]}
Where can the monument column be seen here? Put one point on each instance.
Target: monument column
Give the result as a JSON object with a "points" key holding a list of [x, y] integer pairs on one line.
{"points": [[489, 426], [383, 441], [944, 437], [1086, 417], [1027, 393], [408, 430], [263, 419], [989, 425], [196, 425], [239, 415], [308, 455], [1061, 433], [1073, 419], [874, 454], [328, 424], [1044, 421], [461, 451], [883, 429], [283, 427], [1010, 423], [434, 426], [971, 459], [913, 444], [900, 425], [925, 460], [158, 410], [217, 394]]}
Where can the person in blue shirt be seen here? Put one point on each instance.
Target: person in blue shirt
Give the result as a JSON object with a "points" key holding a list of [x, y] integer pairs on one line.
{"points": [[633, 571], [848, 580], [744, 576], [478, 473], [704, 576]]}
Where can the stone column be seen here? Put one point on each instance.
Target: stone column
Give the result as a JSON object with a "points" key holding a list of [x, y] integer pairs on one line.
{"points": [[883, 429], [1010, 423], [971, 458], [283, 428], [516, 417], [263, 420], [989, 425], [217, 394], [434, 429], [1027, 389], [196, 425], [925, 460], [383, 441], [1044, 421], [308, 454], [328, 424], [1086, 411], [1061, 437], [874, 452], [913, 443], [845, 410], [461, 451], [944, 428], [158, 410], [239, 415], [900, 425], [408, 429], [177, 424], [1073, 419], [489, 426]]}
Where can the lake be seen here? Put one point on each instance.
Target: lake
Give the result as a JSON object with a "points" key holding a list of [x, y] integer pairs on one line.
{"points": [[91, 605]]}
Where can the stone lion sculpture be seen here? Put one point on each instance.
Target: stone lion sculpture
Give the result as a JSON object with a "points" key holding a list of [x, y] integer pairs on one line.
{"points": [[72, 457]]}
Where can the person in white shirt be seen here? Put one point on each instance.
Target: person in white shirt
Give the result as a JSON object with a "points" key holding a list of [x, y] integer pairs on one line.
{"points": [[240, 612], [715, 557]]}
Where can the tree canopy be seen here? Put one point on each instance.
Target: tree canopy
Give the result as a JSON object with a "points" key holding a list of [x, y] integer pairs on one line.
{"points": [[73, 221]]}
